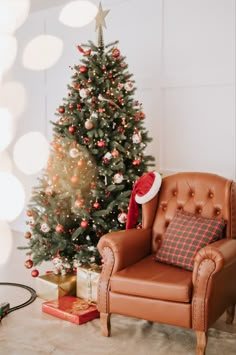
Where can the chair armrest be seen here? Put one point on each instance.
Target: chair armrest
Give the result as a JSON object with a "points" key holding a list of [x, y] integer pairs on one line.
{"points": [[222, 253], [120, 249], [214, 269], [127, 246]]}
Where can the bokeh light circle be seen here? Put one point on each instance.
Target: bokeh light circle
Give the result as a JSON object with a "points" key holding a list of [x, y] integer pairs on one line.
{"points": [[42, 52], [12, 197], [31, 152], [78, 13]]}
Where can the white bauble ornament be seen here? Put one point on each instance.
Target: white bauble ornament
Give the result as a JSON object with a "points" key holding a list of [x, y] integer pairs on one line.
{"points": [[122, 217], [84, 93], [74, 153], [118, 178], [94, 115], [128, 86], [45, 227], [136, 138]]}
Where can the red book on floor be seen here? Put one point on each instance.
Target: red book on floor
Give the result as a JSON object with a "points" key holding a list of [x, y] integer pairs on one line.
{"points": [[72, 309]]}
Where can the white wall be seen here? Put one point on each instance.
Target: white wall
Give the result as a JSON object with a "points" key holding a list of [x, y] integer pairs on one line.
{"points": [[182, 55], [198, 86]]}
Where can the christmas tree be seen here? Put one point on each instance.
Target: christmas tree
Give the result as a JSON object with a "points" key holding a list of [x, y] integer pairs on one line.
{"points": [[97, 154]]}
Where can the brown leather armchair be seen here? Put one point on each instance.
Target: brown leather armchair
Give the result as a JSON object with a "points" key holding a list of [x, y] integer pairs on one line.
{"points": [[133, 284]]}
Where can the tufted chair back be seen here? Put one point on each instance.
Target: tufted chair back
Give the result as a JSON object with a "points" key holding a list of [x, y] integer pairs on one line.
{"points": [[203, 194]]}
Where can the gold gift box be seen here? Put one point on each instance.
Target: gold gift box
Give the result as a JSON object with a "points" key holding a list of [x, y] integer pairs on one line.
{"points": [[87, 283], [50, 286]]}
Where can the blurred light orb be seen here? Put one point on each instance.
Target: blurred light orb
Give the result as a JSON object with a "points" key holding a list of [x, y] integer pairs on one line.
{"points": [[6, 128], [42, 52], [5, 162], [8, 50], [13, 14], [78, 13], [31, 152], [13, 96], [5, 242], [12, 197]]}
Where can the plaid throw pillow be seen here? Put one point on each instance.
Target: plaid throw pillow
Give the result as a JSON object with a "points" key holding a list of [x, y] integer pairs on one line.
{"points": [[185, 235]]}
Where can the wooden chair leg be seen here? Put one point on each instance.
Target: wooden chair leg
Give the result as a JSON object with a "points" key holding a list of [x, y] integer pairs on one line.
{"points": [[230, 314], [105, 324], [201, 342]]}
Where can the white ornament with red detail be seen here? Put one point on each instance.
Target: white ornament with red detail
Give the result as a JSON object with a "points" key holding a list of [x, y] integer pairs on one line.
{"points": [[128, 86], [57, 265], [107, 157], [74, 153], [49, 190], [136, 138], [122, 217], [84, 93], [120, 86], [118, 178], [45, 227]]}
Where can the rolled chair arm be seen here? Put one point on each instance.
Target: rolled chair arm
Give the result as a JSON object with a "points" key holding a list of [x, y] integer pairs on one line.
{"points": [[127, 246], [218, 258], [120, 249]]}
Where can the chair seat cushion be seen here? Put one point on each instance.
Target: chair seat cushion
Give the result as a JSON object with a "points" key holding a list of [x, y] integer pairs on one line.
{"points": [[152, 279], [185, 236]]}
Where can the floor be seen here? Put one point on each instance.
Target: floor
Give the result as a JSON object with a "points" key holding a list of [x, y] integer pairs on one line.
{"points": [[29, 331]]}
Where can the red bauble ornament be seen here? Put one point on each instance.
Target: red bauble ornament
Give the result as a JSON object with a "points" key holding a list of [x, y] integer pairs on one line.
{"points": [[93, 185], [78, 107], [34, 273], [55, 178], [80, 163], [103, 67], [79, 203], [61, 109], [28, 235], [29, 213], [59, 228], [72, 129], [71, 106], [136, 162], [74, 179], [83, 69], [115, 53], [115, 153], [96, 205], [28, 264], [84, 224], [101, 109], [101, 144], [86, 140]]}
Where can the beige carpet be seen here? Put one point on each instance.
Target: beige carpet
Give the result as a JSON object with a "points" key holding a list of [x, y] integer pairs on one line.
{"points": [[28, 331]]}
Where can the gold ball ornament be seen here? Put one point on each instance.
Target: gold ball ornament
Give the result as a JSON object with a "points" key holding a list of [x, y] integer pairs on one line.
{"points": [[88, 124]]}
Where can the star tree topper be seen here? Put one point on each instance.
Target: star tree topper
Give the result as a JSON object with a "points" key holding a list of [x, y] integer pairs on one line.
{"points": [[100, 23]]}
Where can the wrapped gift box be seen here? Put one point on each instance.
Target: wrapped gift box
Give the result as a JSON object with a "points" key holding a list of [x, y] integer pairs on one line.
{"points": [[72, 309], [87, 282], [50, 286]]}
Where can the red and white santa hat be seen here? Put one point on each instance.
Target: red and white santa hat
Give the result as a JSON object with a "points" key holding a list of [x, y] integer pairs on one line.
{"points": [[144, 189]]}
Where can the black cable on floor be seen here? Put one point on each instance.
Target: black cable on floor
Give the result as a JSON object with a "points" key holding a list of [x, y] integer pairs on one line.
{"points": [[29, 301]]}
